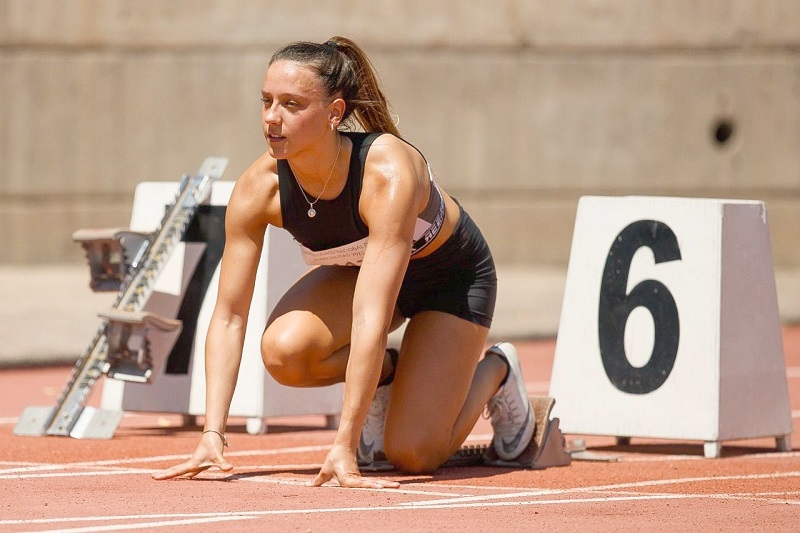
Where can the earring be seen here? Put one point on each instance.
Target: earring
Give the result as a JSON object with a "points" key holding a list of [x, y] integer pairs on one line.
{"points": [[332, 126]]}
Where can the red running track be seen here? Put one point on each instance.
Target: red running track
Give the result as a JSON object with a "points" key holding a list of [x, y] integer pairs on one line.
{"points": [[63, 484]]}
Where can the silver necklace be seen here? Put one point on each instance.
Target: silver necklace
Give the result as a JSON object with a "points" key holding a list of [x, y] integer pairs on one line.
{"points": [[311, 211]]}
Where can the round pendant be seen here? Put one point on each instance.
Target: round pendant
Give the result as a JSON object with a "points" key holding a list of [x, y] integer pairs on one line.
{"points": [[312, 213]]}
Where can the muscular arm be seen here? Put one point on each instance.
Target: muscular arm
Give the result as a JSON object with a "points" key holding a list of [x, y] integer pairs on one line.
{"points": [[393, 188], [253, 205], [251, 208]]}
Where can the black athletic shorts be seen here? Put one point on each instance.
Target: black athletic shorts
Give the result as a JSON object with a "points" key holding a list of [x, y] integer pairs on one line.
{"points": [[459, 278]]}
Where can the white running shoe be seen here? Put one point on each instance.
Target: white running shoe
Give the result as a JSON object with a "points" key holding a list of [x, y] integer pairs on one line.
{"points": [[370, 446], [510, 408]]}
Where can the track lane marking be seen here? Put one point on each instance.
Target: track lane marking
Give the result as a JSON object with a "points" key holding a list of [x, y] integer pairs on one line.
{"points": [[160, 458], [28, 468], [612, 487], [148, 525], [239, 515]]}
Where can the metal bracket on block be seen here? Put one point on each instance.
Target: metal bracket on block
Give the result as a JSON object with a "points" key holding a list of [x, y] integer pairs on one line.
{"points": [[128, 357], [111, 253]]}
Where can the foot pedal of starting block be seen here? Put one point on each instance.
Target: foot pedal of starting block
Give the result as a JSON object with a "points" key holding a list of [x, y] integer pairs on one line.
{"points": [[128, 357], [547, 447], [110, 253]]}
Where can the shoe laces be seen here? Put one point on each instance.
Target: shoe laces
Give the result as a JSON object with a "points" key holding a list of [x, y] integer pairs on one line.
{"points": [[503, 413]]}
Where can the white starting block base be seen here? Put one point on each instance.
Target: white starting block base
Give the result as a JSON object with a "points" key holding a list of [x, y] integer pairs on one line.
{"points": [[258, 396], [93, 423], [669, 325]]}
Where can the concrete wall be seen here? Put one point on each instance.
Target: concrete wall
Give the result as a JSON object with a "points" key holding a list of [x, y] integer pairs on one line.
{"points": [[521, 106]]}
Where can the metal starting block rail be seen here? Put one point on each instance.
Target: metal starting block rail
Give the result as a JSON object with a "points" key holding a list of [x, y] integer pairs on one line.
{"points": [[129, 262], [547, 447]]}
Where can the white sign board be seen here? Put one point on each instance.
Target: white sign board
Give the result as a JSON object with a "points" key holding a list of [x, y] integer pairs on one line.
{"points": [[669, 326]]}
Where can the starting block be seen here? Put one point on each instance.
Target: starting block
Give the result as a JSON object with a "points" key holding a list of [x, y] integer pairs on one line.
{"points": [[547, 447], [129, 356], [186, 291], [151, 344]]}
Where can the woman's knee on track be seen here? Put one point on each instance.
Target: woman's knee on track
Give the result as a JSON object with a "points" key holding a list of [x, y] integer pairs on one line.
{"points": [[288, 358], [415, 453]]}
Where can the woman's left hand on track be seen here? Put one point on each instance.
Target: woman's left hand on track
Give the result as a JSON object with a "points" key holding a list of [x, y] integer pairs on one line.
{"points": [[209, 452], [341, 464]]}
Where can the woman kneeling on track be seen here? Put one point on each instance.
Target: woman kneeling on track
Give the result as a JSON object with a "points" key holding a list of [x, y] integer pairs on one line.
{"points": [[388, 244]]}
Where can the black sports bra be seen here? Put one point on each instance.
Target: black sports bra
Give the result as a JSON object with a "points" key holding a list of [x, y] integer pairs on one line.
{"points": [[337, 235]]}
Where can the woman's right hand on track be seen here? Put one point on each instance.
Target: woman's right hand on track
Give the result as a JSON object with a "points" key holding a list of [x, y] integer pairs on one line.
{"points": [[207, 454]]}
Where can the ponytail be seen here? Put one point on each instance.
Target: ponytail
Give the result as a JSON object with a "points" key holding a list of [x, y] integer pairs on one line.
{"points": [[344, 69]]}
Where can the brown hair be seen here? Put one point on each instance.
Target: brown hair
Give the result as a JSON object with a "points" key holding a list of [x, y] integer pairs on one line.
{"points": [[345, 69]]}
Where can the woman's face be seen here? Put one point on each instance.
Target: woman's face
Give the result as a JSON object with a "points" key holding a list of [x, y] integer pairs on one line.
{"points": [[296, 112]]}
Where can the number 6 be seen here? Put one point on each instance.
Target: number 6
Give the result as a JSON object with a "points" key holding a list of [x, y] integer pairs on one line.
{"points": [[616, 306]]}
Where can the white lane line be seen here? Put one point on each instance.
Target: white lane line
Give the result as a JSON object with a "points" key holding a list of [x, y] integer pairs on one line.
{"points": [[251, 469], [601, 488], [149, 525], [467, 487], [278, 481], [272, 512], [240, 515], [24, 469], [119, 518], [119, 472], [303, 482], [159, 458]]}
